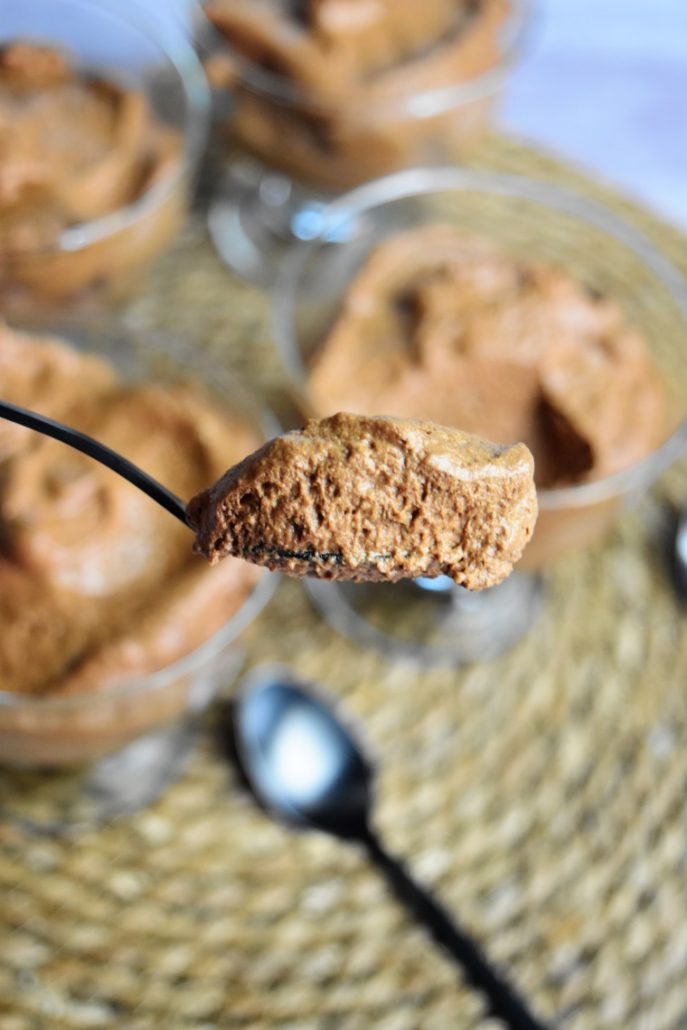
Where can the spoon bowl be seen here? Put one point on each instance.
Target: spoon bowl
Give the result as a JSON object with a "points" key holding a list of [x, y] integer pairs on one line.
{"points": [[677, 559], [304, 765]]}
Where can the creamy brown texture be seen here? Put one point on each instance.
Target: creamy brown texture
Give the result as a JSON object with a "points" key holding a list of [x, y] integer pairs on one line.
{"points": [[46, 376], [373, 499], [97, 583], [73, 148], [442, 325], [335, 107]]}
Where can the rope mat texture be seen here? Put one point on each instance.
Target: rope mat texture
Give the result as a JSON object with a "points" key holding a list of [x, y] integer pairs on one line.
{"points": [[541, 795]]}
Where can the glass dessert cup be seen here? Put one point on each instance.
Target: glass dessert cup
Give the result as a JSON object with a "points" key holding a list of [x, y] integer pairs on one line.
{"points": [[76, 760], [97, 262], [289, 153], [433, 620]]}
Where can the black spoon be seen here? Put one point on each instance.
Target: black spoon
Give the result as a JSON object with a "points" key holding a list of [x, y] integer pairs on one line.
{"points": [[94, 449], [678, 555], [305, 766]]}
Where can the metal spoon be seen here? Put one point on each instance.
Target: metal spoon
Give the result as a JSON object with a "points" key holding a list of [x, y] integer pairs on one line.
{"points": [[105, 455], [678, 557], [305, 766]]}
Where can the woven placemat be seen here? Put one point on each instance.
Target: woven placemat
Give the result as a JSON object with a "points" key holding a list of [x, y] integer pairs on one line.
{"points": [[542, 795]]}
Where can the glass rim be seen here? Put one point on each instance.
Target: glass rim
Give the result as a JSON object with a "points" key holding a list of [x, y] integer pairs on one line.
{"points": [[183, 59], [337, 216], [424, 104], [265, 420]]}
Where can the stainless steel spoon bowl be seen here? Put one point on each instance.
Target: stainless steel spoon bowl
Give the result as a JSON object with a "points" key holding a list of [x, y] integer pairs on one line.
{"points": [[678, 556], [305, 766]]}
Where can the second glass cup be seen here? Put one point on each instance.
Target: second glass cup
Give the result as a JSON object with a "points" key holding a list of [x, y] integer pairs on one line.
{"points": [[535, 223], [316, 110], [119, 722]]}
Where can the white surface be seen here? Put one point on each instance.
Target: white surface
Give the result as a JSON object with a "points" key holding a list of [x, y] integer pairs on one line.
{"points": [[605, 82]]}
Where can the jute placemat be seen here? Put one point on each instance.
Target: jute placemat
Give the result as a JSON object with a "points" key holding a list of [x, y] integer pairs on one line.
{"points": [[542, 795]]}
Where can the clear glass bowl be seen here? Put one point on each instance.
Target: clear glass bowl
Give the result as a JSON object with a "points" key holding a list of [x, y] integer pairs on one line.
{"points": [[289, 148], [125, 741], [537, 222], [98, 262]]}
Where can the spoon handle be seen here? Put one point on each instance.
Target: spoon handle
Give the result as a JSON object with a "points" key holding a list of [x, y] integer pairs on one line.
{"points": [[87, 445], [504, 1002]]}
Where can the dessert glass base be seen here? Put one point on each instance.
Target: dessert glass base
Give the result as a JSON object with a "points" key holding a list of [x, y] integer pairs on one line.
{"points": [[257, 215], [66, 802], [432, 621]]}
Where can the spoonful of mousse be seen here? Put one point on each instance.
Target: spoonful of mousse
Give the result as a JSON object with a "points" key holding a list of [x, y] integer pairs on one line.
{"points": [[353, 497]]}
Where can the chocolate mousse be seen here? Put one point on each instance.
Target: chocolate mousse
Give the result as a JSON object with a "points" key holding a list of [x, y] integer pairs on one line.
{"points": [[339, 81], [444, 326], [47, 376], [97, 584], [74, 148], [371, 499]]}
